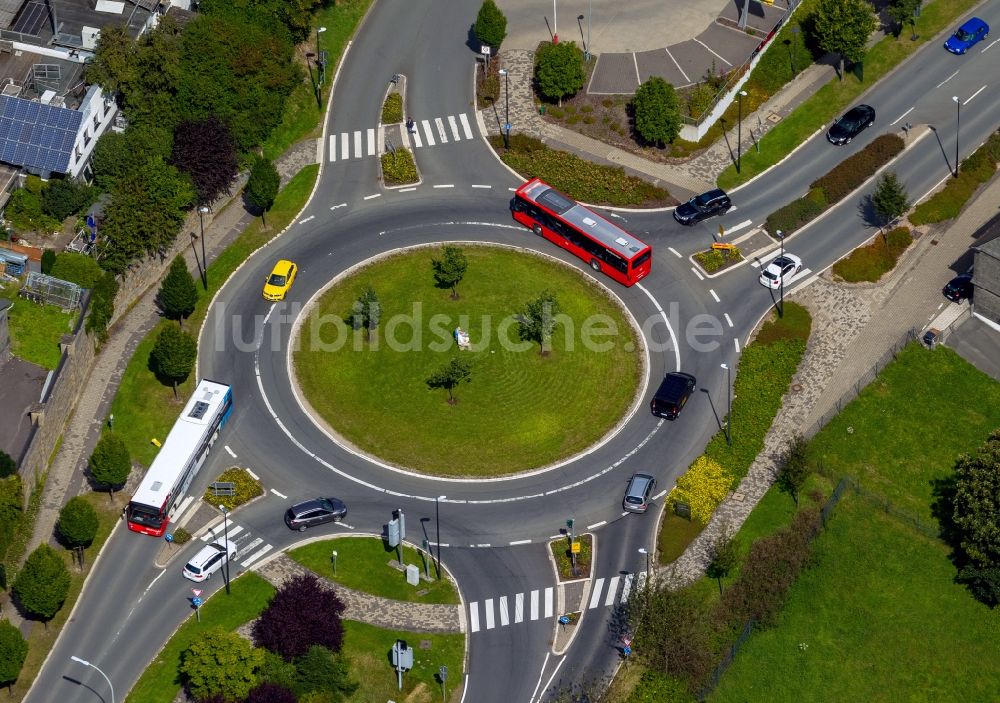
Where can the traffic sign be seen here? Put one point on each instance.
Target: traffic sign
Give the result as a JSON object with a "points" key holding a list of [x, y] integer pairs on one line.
{"points": [[196, 592], [564, 619], [575, 547], [443, 672], [485, 50], [196, 602], [626, 650], [508, 126]]}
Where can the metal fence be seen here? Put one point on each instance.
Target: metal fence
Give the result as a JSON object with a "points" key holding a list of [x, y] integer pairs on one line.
{"points": [[862, 381], [40, 288], [727, 659]]}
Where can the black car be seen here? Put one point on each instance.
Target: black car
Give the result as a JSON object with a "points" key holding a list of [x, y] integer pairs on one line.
{"points": [[853, 123], [959, 288], [672, 395], [700, 207], [315, 512]]}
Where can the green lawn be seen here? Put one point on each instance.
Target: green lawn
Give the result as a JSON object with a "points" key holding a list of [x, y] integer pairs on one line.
{"points": [[834, 97], [368, 650], [160, 682], [35, 330], [143, 407], [878, 618], [363, 564], [519, 411], [676, 533], [910, 424]]}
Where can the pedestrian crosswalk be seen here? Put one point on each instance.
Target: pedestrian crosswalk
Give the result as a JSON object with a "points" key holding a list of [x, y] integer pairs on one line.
{"points": [[496, 612], [249, 548], [362, 143]]}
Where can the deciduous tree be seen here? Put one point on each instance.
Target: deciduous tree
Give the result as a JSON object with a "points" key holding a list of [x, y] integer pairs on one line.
{"points": [[205, 150], [657, 116], [178, 293], [173, 355], [302, 613], [456, 371], [110, 463], [450, 269], [904, 12], [42, 584], [725, 557], [559, 70], [220, 663], [262, 186], [113, 65], [268, 692], [976, 497], [320, 670], [537, 320], [843, 26], [117, 154], [102, 306], [366, 311], [77, 524], [491, 24], [794, 469], [7, 464], [13, 650]]}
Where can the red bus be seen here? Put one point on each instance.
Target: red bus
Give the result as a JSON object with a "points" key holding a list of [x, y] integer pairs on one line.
{"points": [[560, 219]]}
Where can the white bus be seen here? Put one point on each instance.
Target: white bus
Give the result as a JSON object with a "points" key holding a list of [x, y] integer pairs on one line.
{"points": [[180, 458]]}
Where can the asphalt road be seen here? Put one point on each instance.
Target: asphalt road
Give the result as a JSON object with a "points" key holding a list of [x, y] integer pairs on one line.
{"points": [[130, 608]]}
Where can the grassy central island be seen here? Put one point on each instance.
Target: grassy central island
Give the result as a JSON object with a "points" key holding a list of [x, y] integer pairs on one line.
{"points": [[518, 410]]}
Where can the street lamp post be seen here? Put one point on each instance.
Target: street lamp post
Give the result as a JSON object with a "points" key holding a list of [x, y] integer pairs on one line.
{"points": [[729, 416], [795, 45], [320, 69], [739, 131], [201, 266], [202, 211], [555, 23], [437, 521], [506, 107], [78, 660], [781, 277], [958, 123], [225, 533]]}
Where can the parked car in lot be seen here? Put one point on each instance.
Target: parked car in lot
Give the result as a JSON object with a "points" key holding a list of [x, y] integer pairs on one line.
{"points": [[209, 560], [673, 393], [281, 279], [967, 36], [316, 511], [780, 270], [640, 488], [959, 288], [700, 207], [854, 122]]}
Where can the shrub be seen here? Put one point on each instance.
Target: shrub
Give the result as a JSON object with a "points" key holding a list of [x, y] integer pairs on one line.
{"points": [[657, 119], [24, 211], [220, 663], [771, 567], [66, 197], [246, 488], [700, 99], [855, 170], [608, 102], [42, 584], [703, 487], [715, 259], [181, 536], [871, 262], [588, 119], [77, 268], [392, 109], [555, 113], [399, 168], [793, 215], [13, 650], [586, 108], [48, 260], [974, 171], [572, 119], [301, 614], [102, 305]]}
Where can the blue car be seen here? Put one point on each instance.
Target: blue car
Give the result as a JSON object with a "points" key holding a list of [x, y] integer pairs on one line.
{"points": [[967, 36]]}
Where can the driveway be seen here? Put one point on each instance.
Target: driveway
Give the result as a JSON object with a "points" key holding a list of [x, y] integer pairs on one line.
{"points": [[977, 342]]}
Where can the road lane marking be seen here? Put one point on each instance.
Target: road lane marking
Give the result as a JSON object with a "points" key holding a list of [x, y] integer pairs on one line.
{"points": [[454, 127], [254, 476], [257, 555], [714, 295], [612, 590], [479, 186], [697, 273], [728, 319], [446, 185], [675, 252], [901, 117], [303, 221], [969, 99], [231, 452], [345, 145], [504, 614], [369, 197], [442, 135], [597, 524], [626, 588], [465, 125], [677, 65], [595, 595], [488, 607], [333, 147], [406, 190], [474, 616], [357, 144], [280, 495], [520, 541], [416, 138], [736, 342], [426, 124], [659, 495], [518, 608], [946, 79], [548, 602], [371, 142], [534, 604], [737, 228]]}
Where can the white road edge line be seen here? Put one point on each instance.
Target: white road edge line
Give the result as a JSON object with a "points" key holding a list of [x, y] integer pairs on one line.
{"points": [[969, 99], [520, 541], [540, 675], [556, 671], [597, 524], [696, 273], [660, 494], [901, 117]]}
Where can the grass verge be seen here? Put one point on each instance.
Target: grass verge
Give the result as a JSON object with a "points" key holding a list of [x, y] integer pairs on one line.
{"points": [[367, 649], [973, 172], [872, 261], [581, 180], [835, 96], [159, 683], [363, 565], [302, 114], [676, 533], [564, 561], [143, 406], [516, 412]]}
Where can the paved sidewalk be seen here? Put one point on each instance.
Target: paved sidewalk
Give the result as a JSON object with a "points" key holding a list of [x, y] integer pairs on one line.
{"points": [[682, 179], [374, 610]]}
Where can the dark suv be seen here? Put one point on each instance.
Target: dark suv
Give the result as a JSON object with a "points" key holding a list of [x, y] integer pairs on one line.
{"points": [[700, 207], [673, 393], [315, 512]]}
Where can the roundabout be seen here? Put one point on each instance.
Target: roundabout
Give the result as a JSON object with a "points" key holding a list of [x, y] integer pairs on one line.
{"points": [[517, 410]]}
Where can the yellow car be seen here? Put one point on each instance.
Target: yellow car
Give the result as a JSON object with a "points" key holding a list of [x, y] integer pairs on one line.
{"points": [[281, 279]]}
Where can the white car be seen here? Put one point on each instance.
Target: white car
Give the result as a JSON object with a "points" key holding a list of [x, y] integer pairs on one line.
{"points": [[209, 560], [781, 269]]}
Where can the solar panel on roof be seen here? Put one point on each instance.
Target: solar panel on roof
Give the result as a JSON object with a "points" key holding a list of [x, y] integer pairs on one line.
{"points": [[35, 135], [31, 19]]}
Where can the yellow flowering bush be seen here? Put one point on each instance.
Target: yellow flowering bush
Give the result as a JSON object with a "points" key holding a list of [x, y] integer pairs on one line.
{"points": [[703, 487]]}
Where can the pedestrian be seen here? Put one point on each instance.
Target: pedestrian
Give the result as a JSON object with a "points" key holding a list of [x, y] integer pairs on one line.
{"points": [[410, 126]]}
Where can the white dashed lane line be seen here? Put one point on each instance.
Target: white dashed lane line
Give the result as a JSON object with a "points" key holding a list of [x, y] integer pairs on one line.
{"points": [[714, 295]]}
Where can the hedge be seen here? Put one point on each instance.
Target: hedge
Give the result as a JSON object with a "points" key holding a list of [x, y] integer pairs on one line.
{"points": [[871, 262], [974, 171]]}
